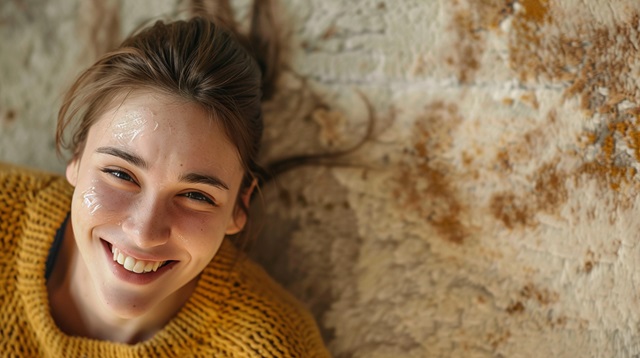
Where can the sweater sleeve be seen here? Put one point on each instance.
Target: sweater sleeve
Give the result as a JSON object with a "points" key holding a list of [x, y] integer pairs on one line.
{"points": [[18, 187]]}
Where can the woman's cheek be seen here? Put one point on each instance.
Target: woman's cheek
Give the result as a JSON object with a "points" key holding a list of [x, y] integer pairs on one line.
{"points": [[91, 199], [101, 200], [202, 230]]}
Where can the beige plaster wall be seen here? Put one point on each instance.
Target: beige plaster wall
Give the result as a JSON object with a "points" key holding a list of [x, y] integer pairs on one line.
{"points": [[496, 211]]}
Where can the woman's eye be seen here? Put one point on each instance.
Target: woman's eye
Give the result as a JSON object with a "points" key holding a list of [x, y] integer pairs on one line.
{"points": [[119, 174], [199, 197]]}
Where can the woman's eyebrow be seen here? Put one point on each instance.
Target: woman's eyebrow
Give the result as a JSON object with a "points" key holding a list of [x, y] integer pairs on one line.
{"points": [[195, 178], [129, 157]]}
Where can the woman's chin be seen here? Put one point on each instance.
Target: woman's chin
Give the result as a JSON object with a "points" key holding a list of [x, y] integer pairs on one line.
{"points": [[121, 307]]}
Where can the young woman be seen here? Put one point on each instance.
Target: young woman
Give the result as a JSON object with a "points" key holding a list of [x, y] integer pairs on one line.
{"points": [[131, 253]]}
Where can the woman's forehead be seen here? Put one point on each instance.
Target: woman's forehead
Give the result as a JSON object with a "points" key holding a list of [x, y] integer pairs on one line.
{"points": [[128, 116], [159, 124]]}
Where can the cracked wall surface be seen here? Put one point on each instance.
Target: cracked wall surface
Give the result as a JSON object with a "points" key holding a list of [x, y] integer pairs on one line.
{"points": [[494, 213]]}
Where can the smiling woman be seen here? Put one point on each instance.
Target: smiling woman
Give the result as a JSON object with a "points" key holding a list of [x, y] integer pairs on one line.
{"points": [[152, 205], [130, 251]]}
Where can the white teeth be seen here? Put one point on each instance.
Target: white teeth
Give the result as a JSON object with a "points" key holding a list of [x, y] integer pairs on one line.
{"points": [[139, 267], [129, 262], [133, 265], [120, 258]]}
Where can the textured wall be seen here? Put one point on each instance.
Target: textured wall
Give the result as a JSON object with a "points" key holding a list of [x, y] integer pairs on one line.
{"points": [[495, 211]]}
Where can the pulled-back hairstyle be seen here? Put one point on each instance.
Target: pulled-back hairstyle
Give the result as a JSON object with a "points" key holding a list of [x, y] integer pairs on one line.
{"points": [[197, 61]]}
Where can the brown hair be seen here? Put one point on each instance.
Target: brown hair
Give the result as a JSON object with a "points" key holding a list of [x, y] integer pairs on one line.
{"points": [[197, 60]]}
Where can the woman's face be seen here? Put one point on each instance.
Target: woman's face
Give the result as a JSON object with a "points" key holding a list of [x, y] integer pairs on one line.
{"points": [[155, 193]]}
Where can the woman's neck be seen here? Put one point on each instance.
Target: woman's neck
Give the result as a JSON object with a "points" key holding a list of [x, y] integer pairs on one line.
{"points": [[78, 311]]}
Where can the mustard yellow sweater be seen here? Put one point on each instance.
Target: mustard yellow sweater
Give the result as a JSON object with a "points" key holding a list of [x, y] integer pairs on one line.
{"points": [[235, 311]]}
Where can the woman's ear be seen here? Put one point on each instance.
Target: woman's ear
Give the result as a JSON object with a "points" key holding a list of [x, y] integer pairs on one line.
{"points": [[72, 171], [239, 219]]}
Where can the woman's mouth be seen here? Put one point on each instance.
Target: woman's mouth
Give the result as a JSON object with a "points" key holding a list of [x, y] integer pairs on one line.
{"points": [[134, 270], [134, 265]]}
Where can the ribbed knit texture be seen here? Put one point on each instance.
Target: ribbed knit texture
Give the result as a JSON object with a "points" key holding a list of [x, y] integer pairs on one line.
{"points": [[237, 310]]}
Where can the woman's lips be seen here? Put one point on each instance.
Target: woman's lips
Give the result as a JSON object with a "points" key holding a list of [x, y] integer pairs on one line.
{"points": [[127, 267]]}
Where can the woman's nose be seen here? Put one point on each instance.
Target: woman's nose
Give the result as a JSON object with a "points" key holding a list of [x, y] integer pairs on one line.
{"points": [[148, 223]]}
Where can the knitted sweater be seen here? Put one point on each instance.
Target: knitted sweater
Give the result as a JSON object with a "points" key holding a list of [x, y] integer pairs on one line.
{"points": [[236, 310]]}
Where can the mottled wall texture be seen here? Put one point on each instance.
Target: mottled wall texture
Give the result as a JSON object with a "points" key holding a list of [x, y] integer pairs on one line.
{"points": [[494, 214]]}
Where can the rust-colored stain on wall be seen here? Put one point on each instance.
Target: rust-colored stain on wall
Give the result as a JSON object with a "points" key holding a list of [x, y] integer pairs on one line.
{"points": [[470, 24], [512, 211], [10, 116], [469, 47], [612, 166], [547, 189], [535, 10], [497, 339], [526, 40], [547, 194], [426, 181], [516, 307], [600, 65], [542, 296], [608, 67], [589, 263]]}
